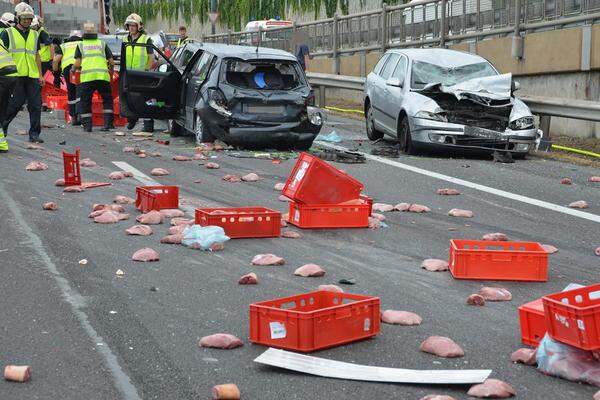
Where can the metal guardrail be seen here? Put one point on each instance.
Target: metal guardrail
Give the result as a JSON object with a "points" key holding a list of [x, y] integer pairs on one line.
{"points": [[544, 107], [423, 23]]}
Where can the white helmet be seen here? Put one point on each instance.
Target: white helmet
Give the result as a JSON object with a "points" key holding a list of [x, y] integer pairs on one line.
{"points": [[35, 23], [75, 33], [7, 19], [133, 19], [24, 10]]}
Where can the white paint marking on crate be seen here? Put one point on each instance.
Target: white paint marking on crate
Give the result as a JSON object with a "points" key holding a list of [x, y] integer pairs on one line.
{"points": [[148, 181], [476, 186]]}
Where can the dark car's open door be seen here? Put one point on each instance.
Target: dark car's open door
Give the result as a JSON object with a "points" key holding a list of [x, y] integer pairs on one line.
{"points": [[149, 94]]}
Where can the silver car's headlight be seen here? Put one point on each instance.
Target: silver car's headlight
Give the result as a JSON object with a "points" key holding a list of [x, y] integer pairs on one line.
{"points": [[433, 116], [521, 123]]}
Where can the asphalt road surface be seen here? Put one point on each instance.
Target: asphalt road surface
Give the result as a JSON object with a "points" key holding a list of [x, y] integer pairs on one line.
{"points": [[89, 334]]}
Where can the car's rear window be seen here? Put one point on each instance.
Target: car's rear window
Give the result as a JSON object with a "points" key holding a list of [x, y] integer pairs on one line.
{"points": [[263, 74]]}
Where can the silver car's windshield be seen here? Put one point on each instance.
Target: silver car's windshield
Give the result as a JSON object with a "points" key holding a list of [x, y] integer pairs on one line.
{"points": [[424, 73]]}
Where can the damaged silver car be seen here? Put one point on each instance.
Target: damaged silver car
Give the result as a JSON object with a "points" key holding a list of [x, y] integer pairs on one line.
{"points": [[438, 98]]}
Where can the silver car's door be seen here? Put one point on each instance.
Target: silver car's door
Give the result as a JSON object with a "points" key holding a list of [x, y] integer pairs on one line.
{"points": [[394, 89], [194, 80], [381, 93]]}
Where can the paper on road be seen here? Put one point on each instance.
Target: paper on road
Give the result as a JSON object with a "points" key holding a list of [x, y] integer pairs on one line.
{"points": [[342, 370]]}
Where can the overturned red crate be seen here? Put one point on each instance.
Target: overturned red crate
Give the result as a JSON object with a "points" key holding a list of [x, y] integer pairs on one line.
{"points": [[57, 102], [313, 181], [533, 322], [314, 321], [573, 317], [72, 169], [495, 260], [350, 214], [156, 198], [242, 222]]}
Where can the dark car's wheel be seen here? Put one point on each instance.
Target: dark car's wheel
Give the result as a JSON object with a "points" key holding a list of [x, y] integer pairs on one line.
{"points": [[404, 137], [372, 133], [202, 131], [174, 128]]}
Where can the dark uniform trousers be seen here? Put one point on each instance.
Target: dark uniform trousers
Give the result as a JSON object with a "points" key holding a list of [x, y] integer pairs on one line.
{"points": [[26, 90], [86, 90], [72, 95], [6, 89]]}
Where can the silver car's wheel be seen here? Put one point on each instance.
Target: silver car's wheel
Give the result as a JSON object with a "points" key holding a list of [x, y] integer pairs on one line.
{"points": [[202, 131], [372, 133]]}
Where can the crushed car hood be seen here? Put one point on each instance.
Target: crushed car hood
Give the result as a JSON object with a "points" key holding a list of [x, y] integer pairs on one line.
{"points": [[481, 90]]}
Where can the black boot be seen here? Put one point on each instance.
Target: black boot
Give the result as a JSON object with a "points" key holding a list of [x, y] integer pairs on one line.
{"points": [[149, 126], [87, 127], [131, 123]]}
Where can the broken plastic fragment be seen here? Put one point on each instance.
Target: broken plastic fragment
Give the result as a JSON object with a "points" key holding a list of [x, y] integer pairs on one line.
{"points": [[579, 204], [228, 391], [382, 207], [330, 288], [492, 388], [119, 272], [267, 259], [212, 165], [221, 341], [495, 294], [434, 265], [496, 236], [524, 355], [146, 255], [309, 270], [448, 192], [349, 281], [442, 347], [150, 218], [248, 279], [549, 248], [141, 230], [476, 300], [251, 177], [83, 261], [404, 318], [159, 172], [36, 166], [455, 212], [17, 373], [50, 206]]}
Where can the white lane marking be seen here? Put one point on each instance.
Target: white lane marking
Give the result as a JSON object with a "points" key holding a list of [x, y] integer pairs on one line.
{"points": [[477, 186], [148, 181], [75, 300]]}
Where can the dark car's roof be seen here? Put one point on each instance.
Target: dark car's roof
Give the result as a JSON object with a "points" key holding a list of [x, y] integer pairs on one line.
{"points": [[243, 52]]}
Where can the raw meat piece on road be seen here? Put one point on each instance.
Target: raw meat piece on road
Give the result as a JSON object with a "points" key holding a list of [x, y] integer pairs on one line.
{"points": [[404, 318], [172, 239], [128, 149], [597, 251], [249, 279], [455, 212], [566, 181], [476, 300], [140, 230], [283, 198], [59, 182], [331, 288], [251, 177], [128, 174], [217, 247], [232, 178], [181, 221], [279, 186], [418, 208], [267, 259], [524, 355], [145, 255], [374, 223], [86, 162], [181, 158], [496, 236], [441, 346], [579, 204], [36, 166], [549, 248], [17, 373], [378, 216], [382, 207], [595, 179], [434, 265], [492, 388], [597, 395], [106, 217], [174, 230], [309, 270], [73, 189], [116, 175], [291, 234], [221, 341], [495, 294], [402, 207], [212, 165], [228, 391], [437, 397], [448, 192], [50, 206], [123, 200], [150, 218], [159, 172], [112, 207], [142, 155], [172, 213], [199, 156]]}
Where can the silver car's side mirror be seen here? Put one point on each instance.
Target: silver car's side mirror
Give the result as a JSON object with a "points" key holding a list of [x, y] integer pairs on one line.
{"points": [[394, 82], [163, 68]]}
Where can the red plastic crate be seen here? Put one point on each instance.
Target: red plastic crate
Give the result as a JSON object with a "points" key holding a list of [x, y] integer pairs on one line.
{"points": [[242, 222], [57, 102], [156, 198], [533, 323], [351, 214], [313, 181], [72, 169], [495, 260], [573, 317], [314, 321]]}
